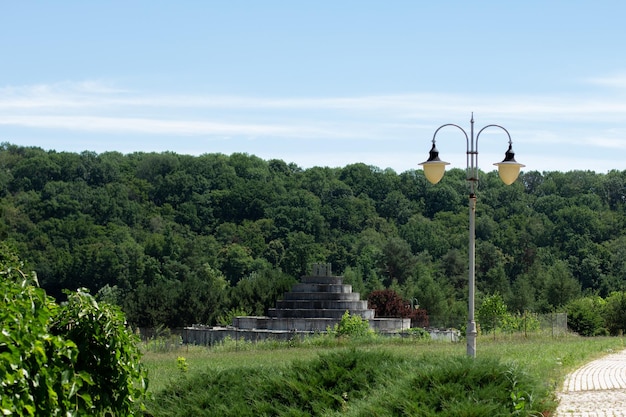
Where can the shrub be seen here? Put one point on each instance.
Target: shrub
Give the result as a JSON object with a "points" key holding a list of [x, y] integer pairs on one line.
{"points": [[70, 360], [108, 353], [585, 316], [33, 362], [351, 325], [227, 318], [526, 322], [388, 303], [418, 333], [615, 313], [358, 382], [491, 313]]}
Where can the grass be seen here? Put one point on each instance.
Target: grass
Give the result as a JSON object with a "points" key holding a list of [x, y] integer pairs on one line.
{"points": [[370, 377]]}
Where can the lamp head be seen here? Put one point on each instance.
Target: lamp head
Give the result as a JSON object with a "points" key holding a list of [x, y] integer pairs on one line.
{"points": [[509, 168], [434, 167]]}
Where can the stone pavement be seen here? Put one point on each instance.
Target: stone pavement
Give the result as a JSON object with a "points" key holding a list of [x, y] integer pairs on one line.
{"points": [[598, 389]]}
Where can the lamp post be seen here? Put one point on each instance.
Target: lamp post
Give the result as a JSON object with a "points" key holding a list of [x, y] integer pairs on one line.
{"points": [[508, 170]]}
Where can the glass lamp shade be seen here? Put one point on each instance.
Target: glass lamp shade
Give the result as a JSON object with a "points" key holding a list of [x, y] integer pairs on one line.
{"points": [[508, 171], [434, 170], [509, 168], [434, 167]]}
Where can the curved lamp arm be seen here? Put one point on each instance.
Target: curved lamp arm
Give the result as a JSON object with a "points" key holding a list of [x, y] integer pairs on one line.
{"points": [[434, 167], [508, 169]]}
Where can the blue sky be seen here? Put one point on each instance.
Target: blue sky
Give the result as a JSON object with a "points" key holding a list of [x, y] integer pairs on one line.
{"points": [[319, 83]]}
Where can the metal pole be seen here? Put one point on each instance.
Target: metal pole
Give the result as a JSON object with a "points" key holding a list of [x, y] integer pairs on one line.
{"points": [[472, 177], [471, 323]]}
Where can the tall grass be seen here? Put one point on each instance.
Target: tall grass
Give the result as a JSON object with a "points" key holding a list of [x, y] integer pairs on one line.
{"points": [[380, 377]]}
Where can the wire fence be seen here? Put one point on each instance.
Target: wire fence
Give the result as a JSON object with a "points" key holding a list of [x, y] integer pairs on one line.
{"points": [[554, 324]]}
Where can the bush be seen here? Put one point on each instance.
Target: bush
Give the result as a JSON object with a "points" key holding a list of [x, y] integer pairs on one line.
{"points": [[526, 322], [418, 333], [351, 325], [463, 386], [108, 353], [491, 313], [33, 362], [388, 303], [615, 313], [358, 382], [585, 316], [70, 360]]}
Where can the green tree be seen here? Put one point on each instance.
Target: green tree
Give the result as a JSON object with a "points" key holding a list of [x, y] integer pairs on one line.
{"points": [[431, 296], [235, 262], [561, 286], [491, 313], [397, 262]]}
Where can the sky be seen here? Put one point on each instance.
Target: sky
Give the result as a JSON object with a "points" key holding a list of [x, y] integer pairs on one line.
{"points": [[320, 83]]}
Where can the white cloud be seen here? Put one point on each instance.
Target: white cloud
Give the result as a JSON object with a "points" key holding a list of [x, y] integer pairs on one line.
{"points": [[385, 130], [615, 80]]}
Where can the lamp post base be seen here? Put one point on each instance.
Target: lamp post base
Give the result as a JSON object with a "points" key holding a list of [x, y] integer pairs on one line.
{"points": [[471, 338]]}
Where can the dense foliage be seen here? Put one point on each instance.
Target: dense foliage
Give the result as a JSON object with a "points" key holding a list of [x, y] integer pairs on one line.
{"points": [[177, 239], [354, 382], [74, 359]]}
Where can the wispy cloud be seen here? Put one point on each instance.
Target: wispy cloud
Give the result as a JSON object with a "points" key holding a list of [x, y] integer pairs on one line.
{"points": [[100, 107], [615, 80], [102, 96]]}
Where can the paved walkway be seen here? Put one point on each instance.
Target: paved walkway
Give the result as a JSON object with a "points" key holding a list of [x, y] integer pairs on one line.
{"points": [[598, 389]]}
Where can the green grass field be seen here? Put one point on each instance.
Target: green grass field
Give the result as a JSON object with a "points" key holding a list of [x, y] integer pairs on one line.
{"points": [[188, 376]]}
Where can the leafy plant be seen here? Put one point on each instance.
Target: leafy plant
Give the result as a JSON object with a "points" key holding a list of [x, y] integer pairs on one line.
{"points": [[357, 382], [181, 364], [491, 313], [585, 316], [226, 319], [351, 325], [418, 333], [69, 360], [108, 353], [388, 303], [35, 365], [524, 322], [615, 312]]}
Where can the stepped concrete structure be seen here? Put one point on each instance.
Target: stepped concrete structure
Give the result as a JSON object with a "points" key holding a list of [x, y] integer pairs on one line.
{"points": [[313, 305]]}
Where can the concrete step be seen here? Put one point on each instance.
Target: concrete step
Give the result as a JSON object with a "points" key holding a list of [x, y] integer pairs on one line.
{"points": [[338, 296], [313, 324], [309, 279], [321, 305], [335, 288], [318, 313]]}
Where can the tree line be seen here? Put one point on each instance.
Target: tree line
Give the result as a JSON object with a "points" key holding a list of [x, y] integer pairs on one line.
{"points": [[176, 239]]}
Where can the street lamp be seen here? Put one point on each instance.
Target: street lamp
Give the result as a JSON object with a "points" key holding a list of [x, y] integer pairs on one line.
{"points": [[508, 170]]}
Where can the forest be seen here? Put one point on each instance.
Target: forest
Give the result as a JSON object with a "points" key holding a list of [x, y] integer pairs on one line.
{"points": [[176, 240]]}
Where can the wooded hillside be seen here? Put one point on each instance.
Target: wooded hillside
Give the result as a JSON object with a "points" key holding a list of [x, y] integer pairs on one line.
{"points": [[179, 239]]}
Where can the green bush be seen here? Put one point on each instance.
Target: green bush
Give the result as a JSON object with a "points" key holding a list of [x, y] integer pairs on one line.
{"points": [[70, 360], [418, 333], [108, 353], [615, 312], [351, 325], [35, 366], [526, 322], [358, 382], [491, 313], [585, 316], [462, 386]]}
